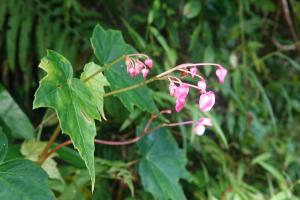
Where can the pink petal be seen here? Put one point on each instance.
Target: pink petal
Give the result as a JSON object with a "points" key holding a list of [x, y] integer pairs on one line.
{"points": [[206, 101], [149, 63], [131, 71], [221, 74], [180, 102], [145, 72], [205, 121], [172, 89], [202, 85], [199, 129], [194, 71], [182, 91]]}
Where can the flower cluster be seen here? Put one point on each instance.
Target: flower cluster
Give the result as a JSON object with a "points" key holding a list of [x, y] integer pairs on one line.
{"points": [[138, 63], [179, 90]]}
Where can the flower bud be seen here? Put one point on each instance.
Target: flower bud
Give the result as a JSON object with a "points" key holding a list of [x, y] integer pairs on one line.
{"points": [[145, 72], [149, 63], [206, 101], [221, 74]]}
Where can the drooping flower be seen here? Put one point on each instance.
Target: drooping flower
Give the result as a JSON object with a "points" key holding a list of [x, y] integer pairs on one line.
{"points": [[193, 71], [202, 86], [206, 101], [180, 103], [135, 66], [172, 89], [145, 72], [180, 94], [221, 73], [149, 63], [132, 72], [200, 126], [182, 91]]}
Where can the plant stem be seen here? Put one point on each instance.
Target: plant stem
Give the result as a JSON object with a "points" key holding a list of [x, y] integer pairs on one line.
{"points": [[105, 67], [155, 78], [44, 154], [127, 142]]}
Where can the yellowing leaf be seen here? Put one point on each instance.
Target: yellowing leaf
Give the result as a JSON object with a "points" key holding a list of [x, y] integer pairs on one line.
{"points": [[95, 84], [32, 149]]}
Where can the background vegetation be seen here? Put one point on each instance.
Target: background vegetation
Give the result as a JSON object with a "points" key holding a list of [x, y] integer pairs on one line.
{"points": [[257, 109]]}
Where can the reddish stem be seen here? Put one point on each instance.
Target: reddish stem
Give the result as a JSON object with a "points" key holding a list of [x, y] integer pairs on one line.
{"points": [[127, 142]]}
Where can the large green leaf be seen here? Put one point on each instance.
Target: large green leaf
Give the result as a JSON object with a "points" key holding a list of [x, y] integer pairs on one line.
{"points": [[162, 165], [73, 104], [23, 180], [108, 46], [13, 118], [95, 84], [3, 145]]}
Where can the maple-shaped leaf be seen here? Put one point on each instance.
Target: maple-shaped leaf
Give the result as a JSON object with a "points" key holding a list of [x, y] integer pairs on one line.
{"points": [[108, 46], [72, 101], [95, 83]]}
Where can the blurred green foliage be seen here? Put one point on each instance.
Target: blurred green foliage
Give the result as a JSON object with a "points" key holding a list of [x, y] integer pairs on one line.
{"points": [[253, 151]]}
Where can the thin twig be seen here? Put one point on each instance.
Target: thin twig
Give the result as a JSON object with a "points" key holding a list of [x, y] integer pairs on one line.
{"points": [[44, 154]]}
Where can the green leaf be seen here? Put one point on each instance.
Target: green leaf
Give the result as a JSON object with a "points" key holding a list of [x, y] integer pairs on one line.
{"points": [[3, 145], [136, 37], [170, 53], [32, 149], [162, 165], [192, 9], [71, 156], [114, 169], [10, 113], [23, 179], [95, 84], [11, 38], [72, 101], [108, 46], [24, 43]]}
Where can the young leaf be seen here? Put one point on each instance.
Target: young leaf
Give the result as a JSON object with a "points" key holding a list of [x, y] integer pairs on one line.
{"points": [[95, 84], [10, 113], [108, 46], [24, 180], [162, 165], [3, 145], [72, 101]]}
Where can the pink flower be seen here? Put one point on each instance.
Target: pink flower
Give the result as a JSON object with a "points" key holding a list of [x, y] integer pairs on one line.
{"points": [[221, 74], [202, 86], [172, 89], [138, 67], [131, 71], [180, 94], [145, 72], [206, 101], [180, 103], [200, 126], [149, 63], [194, 71], [182, 91]]}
